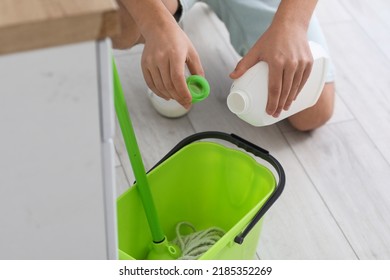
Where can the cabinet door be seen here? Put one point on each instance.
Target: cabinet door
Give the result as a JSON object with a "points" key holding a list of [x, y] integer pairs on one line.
{"points": [[52, 196]]}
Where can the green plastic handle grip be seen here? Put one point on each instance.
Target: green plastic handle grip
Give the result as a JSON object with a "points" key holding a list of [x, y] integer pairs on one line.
{"points": [[136, 159]]}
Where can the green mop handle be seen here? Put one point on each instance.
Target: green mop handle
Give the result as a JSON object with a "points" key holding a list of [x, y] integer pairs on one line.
{"points": [[136, 159]]}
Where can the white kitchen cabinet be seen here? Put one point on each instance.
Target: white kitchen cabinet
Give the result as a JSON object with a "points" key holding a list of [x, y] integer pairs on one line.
{"points": [[57, 184]]}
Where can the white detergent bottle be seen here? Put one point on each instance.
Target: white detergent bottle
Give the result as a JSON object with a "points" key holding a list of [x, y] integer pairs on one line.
{"points": [[249, 94]]}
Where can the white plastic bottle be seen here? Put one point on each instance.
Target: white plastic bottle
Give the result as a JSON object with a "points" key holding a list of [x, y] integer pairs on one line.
{"points": [[249, 94]]}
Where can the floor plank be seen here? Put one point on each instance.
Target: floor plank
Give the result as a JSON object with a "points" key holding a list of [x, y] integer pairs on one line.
{"points": [[122, 183], [331, 11], [352, 178], [373, 19], [117, 161], [363, 81]]}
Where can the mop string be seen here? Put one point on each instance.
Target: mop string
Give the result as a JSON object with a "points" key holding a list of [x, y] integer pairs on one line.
{"points": [[195, 244]]}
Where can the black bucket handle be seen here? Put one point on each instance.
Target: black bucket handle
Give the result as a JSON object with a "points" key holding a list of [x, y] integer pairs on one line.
{"points": [[249, 147]]}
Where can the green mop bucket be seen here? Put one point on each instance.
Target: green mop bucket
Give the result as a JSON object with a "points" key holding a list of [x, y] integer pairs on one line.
{"points": [[207, 184]]}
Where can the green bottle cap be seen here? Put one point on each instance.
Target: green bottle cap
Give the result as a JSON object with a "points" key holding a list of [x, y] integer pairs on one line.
{"points": [[199, 88]]}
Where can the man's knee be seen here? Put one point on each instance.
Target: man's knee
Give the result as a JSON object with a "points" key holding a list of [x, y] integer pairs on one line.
{"points": [[317, 115]]}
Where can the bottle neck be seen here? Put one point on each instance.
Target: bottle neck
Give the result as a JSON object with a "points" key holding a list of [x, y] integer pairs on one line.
{"points": [[238, 102]]}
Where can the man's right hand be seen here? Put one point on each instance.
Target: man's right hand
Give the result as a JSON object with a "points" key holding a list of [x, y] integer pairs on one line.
{"points": [[167, 51]]}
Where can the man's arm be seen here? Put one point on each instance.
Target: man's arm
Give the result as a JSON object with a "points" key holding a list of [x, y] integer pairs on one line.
{"points": [[167, 48]]}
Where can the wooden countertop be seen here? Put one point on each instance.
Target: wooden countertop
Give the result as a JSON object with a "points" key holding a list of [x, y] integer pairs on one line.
{"points": [[32, 24]]}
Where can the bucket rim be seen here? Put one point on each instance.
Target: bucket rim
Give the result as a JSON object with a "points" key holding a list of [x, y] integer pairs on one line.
{"points": [[248, 147]]}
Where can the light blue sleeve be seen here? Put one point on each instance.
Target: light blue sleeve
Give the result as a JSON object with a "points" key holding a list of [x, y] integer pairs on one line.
{"points": [[186, 5]]}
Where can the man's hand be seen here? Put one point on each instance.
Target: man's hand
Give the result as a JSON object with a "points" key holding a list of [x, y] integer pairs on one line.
{"points": [[289, 61], [167, 48], [285, 48], [165, 55]]}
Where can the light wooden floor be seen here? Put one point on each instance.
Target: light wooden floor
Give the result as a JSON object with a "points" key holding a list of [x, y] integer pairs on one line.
{"points": [[336, 204]]}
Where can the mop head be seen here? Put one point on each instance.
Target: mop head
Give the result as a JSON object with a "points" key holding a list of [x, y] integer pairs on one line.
{"points": [[195, 244]]}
